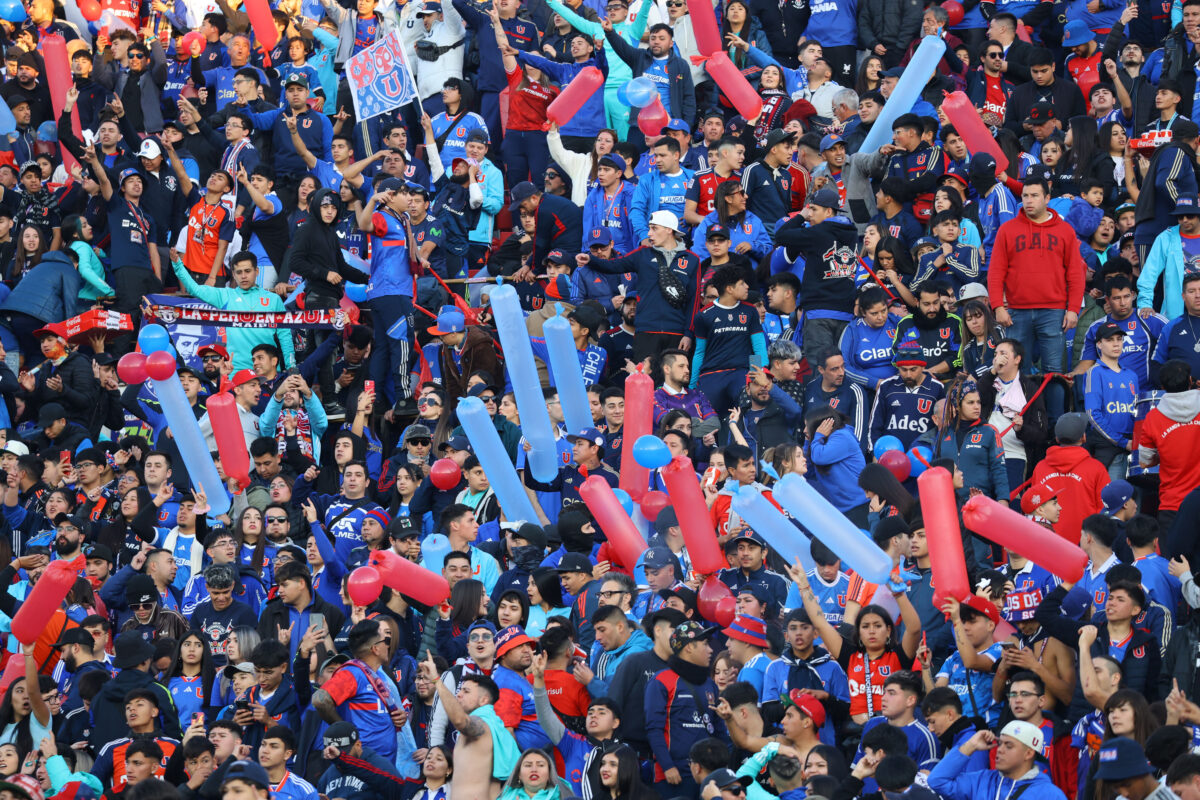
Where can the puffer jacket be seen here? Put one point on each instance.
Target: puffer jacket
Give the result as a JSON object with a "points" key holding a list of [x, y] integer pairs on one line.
{"points": [[49, 291], [80, 389], [889, 23]]}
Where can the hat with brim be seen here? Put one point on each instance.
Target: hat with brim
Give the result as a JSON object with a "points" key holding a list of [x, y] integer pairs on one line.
{"points": [[510, 638], [132, 650], [245, 667], [748, 629]]}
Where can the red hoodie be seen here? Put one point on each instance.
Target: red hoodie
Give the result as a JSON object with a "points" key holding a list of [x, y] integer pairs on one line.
{"points": [[1036, 265], [1082, 478]]}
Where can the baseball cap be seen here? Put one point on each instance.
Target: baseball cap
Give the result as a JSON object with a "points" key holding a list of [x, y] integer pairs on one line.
{"points": [[1039, 495], [807, 704], [982, 164], [682, 591], [75, 636], [1183, 128], [510, 637], [392, 184], [690, 632], [756, 589], [1107, 330], [972, 290], [955, 172], [747, 535], [430, 8], [1070, 427], [666, 519], [659, 557], [249, 771], [243, 376], [459, 442], [213, 349], [484, 624], [589, 318], [665, 219], [614, 160], [403, 528], [297, 79], [449, 320], [479, 135], [16, 448], [341, 735], [1121, 758], [827, 198], [557, 256], [1115, 495], [749, 629], [50, 413], [126, 174], [574, 562], [725, 777], [244, 666], [894, 72], [677, 124], [520, 193], [1186, 204], [982, 606], [777, 136], [1040, 113], [830, 140], [716, 231], [1026, 733], [595, 236], [149, 149]]}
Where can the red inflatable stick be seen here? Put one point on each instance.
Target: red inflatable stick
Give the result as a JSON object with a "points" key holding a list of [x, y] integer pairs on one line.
{"points": [[574, 95], [46, 598], [403, 576], [694, 521], [622, 534], [59, 80], [1000, 524], [704, 26], [259, 12], [733, 83], [940, 513], [965, 118], [639, 421], [231, 442]]}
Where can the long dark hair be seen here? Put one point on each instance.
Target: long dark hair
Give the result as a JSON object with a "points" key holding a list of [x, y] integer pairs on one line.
{"points": [[903, 258], [24, 260], [860, 80], [835, 761], [629, 779], [548, 586], [882, 613], [260, 547], [878, 479], [1144, 721], [955, 395], [465, 599], [208, 670], [72, 229], [1084, 142], [1010, 145], [723, 191]]}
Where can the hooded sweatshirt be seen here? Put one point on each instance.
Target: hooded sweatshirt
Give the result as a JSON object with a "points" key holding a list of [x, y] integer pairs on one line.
{"points": [[1171, 437], [1036, 265], [605, 662], [316, 252], [1082, 478]]}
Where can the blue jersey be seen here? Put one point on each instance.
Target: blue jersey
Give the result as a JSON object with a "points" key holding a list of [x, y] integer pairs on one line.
{"points": [[837, 20], [1029, 580], [360, 704], [455, 145], [592, 360], [1161, 586], [996, 207], [1180, 338], [725, 339], [293, 787], [1140, 337], [346, 531], [1110, 397], [868, 351], [973, 687], [923, 746], [830, 596], [188, 696], [903, 412], [602, 211], [390, 268]]}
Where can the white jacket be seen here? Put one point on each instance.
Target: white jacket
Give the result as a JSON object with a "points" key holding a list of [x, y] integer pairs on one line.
{"points": [[432, 74]]}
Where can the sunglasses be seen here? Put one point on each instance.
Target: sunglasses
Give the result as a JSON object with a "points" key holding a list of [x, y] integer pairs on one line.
{"points": [[480, 637], [995, 55], [142, 606], [551, 174], [277, 519], [426, 402], [488, 398], [213, 358], [421, 442]]}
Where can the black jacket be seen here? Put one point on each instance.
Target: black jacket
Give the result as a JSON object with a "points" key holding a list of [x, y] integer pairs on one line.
{"points": [[108, 707], [892, 23], [80, 389], [316, 252], [1064, 96], [275, 616]]}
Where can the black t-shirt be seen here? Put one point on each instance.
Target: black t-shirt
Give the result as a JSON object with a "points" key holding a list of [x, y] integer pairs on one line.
{"points": [[132, 229]]}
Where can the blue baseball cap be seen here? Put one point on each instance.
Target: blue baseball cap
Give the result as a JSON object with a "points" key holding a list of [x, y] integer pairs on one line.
{"points": [[127, 174], [614, 160], [677, 125], [659, 557], [449, 320], [1115, 495], [595, 236], [830, 140], [589, 435], [1120, 759]]}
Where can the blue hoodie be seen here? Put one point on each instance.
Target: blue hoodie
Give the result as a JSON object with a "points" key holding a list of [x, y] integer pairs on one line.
{"points": [[604, 663], [589, 119], [868, 351], [951, 780], [839, 461]]}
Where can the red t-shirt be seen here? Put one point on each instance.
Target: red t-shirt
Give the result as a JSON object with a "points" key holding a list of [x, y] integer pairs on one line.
{"points": [[995, 101], [527, 105], [1177, 443]]}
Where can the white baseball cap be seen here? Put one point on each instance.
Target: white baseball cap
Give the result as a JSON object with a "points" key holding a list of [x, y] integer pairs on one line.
{"points": [[1026, 733], [149, 149], [16, 448], [665, 219]]}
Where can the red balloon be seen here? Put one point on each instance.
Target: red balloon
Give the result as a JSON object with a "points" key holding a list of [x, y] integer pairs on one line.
{"points": [[445, 474], [46, 598], [409, 579], [132, 368], [653, 118], [897, 463], [734, 86], [711, 592], [189, 38], [725, 611], [160, 365], [90, 9], [955, 11], [653, 503], [365, 586]]}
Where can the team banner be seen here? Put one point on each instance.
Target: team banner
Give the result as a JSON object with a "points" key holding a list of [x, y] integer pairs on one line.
{"points": [[380, 79]]}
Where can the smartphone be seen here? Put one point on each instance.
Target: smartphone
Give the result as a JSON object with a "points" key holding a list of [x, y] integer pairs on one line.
{"points": [[293, 371], [369, 387], [241, 705], [1007, 645], [64, 458], [753, 362], [316, 621]]}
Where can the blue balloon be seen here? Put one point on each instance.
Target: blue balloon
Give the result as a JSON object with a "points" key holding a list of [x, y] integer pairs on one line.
{"points": [[566, 374], [907, 90], [434, 550], [640, 92], [12, 11], [191, 443], [7, 123], [651, 452], [622, 95], [357, 292], [885, 443], [153, 338], [625, 500], [785, 537], [919, 458], [531, 404], [830, 526], [485, 441]]}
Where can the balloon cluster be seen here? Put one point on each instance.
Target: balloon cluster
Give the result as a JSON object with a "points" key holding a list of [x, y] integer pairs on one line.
{"points": [[889, 451], [716, 602]]}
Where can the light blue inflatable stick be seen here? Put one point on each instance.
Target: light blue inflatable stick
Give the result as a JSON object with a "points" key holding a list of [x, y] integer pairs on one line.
{"points": [[190, 441], [518, 357], [481, 432], [568, 375], [832, 528], [781, 533], [916, 75]]}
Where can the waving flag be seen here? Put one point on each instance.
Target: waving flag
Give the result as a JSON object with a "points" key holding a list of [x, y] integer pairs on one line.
{"points": [[380, 79]]}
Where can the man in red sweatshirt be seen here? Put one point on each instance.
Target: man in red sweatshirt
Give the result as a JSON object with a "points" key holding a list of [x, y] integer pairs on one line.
{"points": [[1036, 280], [1080, 477]]}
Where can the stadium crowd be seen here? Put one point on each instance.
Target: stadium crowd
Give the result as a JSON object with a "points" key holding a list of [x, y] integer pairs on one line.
{"points": [[811, 296]]}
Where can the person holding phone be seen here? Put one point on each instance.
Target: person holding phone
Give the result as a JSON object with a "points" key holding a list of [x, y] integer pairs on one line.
{"points": [[729, 341]]}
